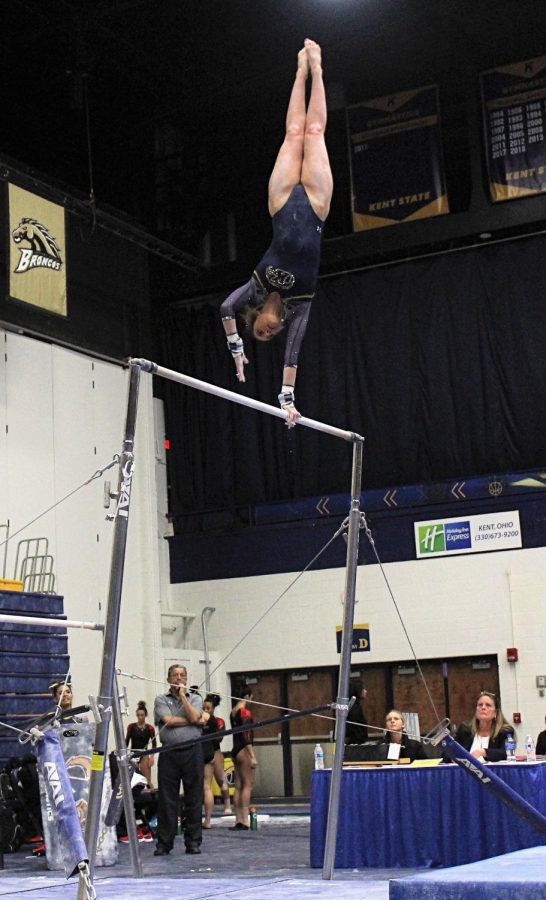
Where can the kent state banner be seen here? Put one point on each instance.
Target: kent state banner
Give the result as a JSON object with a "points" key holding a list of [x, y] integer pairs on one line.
{"points": [[396, 158], [514, 108], [37, 251]]}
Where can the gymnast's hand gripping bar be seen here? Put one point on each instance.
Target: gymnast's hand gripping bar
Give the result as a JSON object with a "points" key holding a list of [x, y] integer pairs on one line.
{"points": [[207, 388]]}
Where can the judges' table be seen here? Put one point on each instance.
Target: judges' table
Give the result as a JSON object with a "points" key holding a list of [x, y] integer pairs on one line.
{"points": [[399, 816]]}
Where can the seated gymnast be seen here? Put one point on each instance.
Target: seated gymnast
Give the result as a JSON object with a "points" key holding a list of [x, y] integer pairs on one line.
{"points": [[485, 735], [61, 692], [282, 286]]}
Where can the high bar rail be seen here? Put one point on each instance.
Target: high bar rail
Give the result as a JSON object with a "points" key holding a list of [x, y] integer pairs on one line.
{"points": [[62, 623], [153, 368]]}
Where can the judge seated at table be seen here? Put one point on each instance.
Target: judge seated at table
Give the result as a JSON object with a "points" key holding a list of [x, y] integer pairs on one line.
{"points": [[485, 735], [401, 746]]}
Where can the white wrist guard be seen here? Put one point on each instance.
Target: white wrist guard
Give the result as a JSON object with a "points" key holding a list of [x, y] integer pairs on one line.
{"points": [[287, 396], [235, 344]]}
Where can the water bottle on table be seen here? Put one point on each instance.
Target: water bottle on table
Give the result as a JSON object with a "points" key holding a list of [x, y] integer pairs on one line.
{"points": [[510, 747], [530, 750], [319, 757]]}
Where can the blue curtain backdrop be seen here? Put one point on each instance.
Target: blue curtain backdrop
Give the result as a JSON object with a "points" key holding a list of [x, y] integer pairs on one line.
{"points": [[440, 363]]}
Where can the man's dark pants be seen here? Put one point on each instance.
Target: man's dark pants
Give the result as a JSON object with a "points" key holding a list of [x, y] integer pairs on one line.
{"points": [[186, 765]]}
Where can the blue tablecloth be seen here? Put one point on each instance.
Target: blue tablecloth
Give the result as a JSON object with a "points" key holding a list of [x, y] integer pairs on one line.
{"points": [[404, 817]]}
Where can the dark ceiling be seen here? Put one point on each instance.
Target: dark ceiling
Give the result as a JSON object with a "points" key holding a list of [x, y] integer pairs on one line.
{"points": [[90, 84]]}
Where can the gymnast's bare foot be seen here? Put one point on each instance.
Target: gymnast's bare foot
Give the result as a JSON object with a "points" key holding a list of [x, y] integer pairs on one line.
{"points": [[303, 62], [314, 54]]}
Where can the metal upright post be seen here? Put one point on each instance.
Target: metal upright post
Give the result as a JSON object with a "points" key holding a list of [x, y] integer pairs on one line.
{"points": [[345, 664], [125, 783], [106, 690], [209, 609]]}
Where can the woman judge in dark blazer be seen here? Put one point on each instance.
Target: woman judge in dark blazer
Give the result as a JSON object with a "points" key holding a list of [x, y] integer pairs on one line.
{"points": [[485, 735], [395, 734]]}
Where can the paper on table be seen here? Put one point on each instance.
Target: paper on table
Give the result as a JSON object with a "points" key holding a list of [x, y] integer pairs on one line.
{"points": [[427, 762]]}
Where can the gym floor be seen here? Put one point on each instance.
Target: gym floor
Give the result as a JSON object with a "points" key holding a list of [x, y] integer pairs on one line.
{"points": [[268, 863]]}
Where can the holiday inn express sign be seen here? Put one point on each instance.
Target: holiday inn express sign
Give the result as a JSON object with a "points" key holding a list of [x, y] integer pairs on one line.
{"points": [[468, 534]]}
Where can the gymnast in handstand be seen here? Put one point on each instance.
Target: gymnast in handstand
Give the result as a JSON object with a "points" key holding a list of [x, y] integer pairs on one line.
{"points": [[282, 286]]}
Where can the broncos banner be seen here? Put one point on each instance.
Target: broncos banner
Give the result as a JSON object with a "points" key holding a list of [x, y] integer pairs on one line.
{"points": [[37, 251], [396, 159], [514, 109]]}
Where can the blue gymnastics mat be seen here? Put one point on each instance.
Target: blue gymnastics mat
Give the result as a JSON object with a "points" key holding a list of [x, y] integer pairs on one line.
{"points": [[514, 876]]}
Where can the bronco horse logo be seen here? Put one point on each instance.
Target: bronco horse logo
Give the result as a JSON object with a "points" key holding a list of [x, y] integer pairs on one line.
{"points": [[44, 251]]}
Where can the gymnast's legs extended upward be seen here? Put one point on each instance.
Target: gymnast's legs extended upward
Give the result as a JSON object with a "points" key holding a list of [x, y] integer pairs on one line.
{"points": [[283, 284], [303, 156]]}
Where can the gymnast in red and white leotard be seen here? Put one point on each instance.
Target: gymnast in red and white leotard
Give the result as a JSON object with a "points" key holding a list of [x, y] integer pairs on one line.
{"points": [[244, 760]]}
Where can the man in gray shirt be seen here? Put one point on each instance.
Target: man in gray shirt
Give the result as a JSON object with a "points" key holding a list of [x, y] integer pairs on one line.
{"points": [[179, 717]]}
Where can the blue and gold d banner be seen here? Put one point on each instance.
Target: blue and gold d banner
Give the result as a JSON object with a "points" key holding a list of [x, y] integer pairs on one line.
{"points": [[396, 158], [361, 638], [37, 251], [514, 109]]}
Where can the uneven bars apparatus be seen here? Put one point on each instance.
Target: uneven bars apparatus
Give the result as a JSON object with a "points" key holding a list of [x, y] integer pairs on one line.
{"points": [[121, 521]]}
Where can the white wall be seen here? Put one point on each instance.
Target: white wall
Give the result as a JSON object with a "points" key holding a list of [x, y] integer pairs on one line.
{"points": [[62, 418], [467, 605]]}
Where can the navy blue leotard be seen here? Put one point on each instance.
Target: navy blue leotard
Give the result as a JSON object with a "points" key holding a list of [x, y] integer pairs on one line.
{"points": [[290, 267]]}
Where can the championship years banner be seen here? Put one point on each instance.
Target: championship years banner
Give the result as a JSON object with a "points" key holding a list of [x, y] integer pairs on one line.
{"points": [[395, 147], [37, 251], [514, 109]]}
